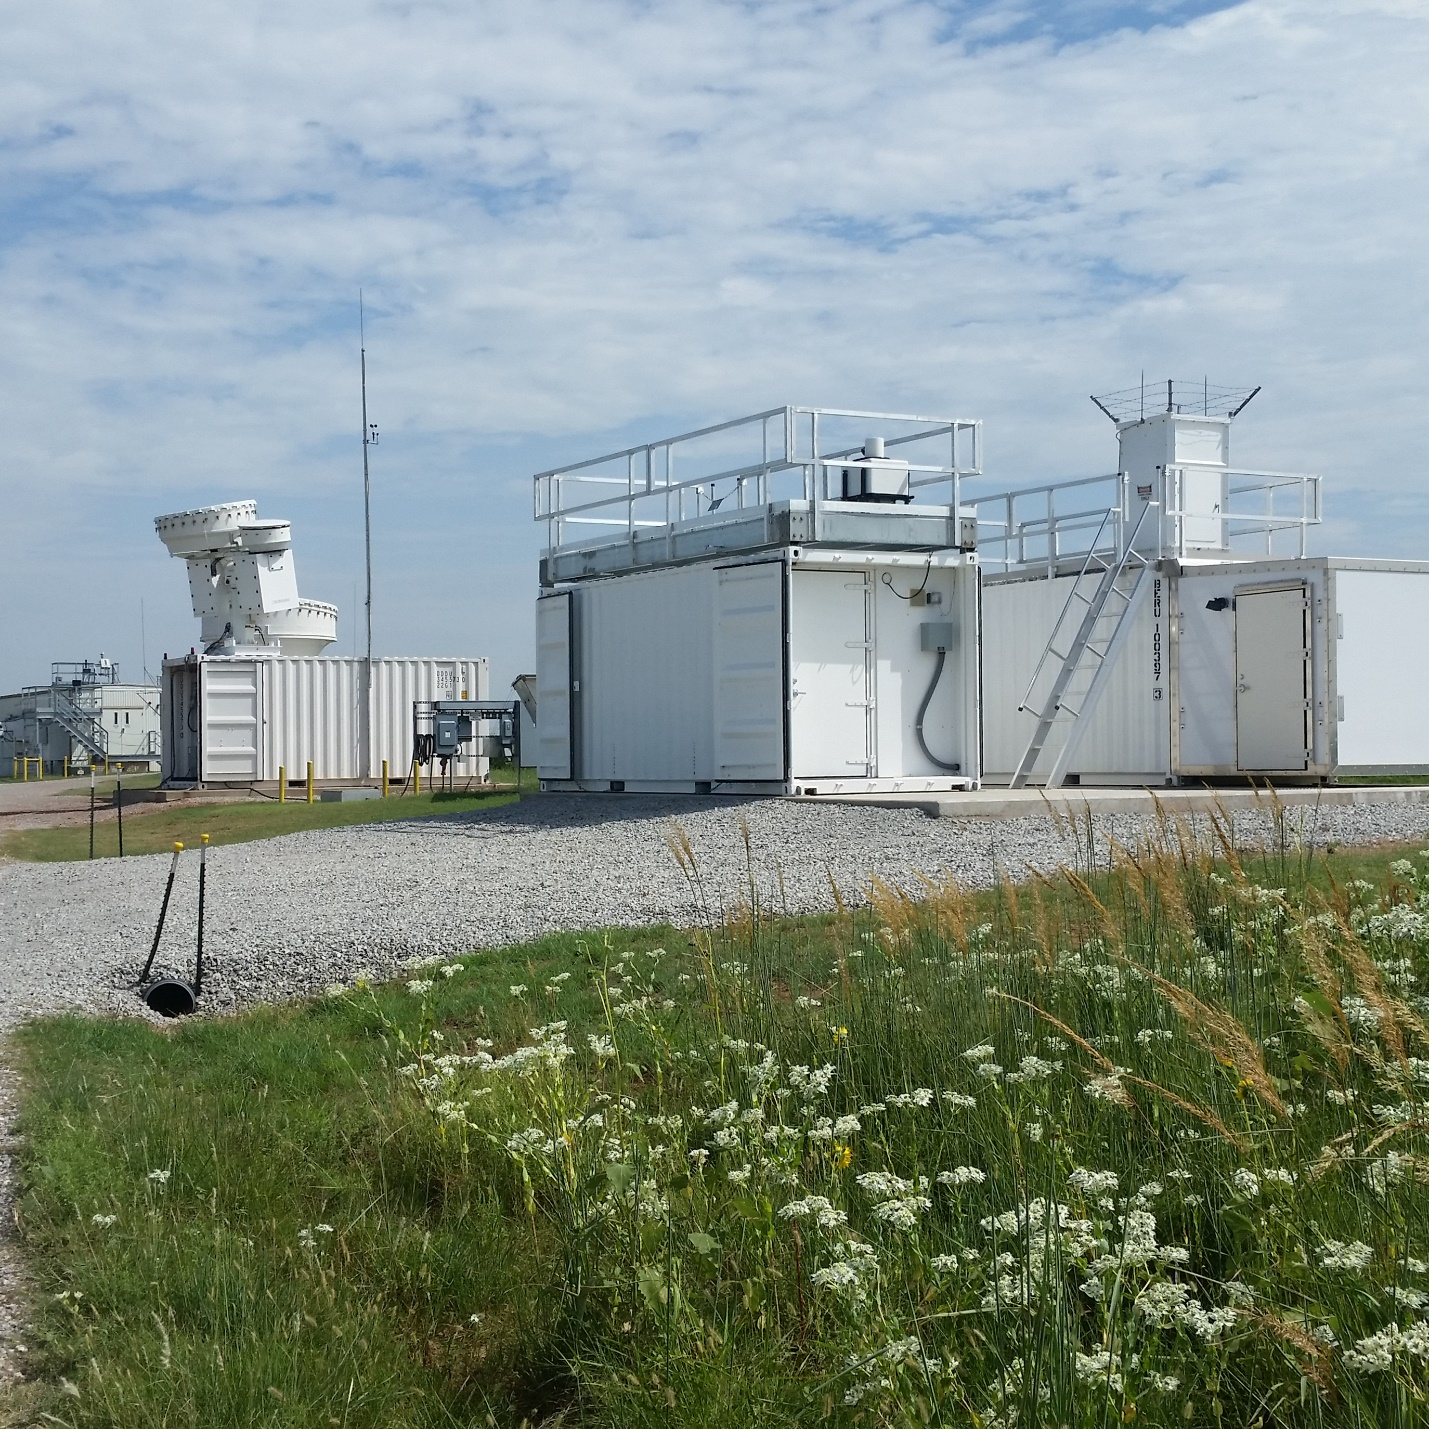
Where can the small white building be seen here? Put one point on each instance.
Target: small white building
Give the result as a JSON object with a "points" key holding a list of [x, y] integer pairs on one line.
{"points": [[86, 716], [261, 697], [784, 604], [1141, 628]]}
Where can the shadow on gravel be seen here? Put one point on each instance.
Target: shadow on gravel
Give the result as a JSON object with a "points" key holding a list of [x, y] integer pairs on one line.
{"points": [[573, 811]]}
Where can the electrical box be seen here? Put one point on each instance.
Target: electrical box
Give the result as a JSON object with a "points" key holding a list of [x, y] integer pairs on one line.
{"points": [[935, 635], [446, 735]]}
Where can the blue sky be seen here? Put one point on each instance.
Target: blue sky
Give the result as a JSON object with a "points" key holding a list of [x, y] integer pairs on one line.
{"points": [[579, 223]]}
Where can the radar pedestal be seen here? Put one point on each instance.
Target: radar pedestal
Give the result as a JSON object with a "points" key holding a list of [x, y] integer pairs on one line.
{"points": [[242, 581]]}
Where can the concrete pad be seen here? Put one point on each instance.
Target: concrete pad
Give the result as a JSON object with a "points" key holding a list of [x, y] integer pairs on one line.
{"points": [[997, 803]]}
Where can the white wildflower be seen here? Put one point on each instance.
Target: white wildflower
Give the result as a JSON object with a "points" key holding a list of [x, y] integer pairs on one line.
{"points": [[961, 1176], [902, 1213], [818, 1209], [1345, 1255], [1246, 1182]]}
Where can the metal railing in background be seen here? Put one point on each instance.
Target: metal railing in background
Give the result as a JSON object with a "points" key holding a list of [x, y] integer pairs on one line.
{"points": [[1046, 527], [785, 453], [53, 705]]}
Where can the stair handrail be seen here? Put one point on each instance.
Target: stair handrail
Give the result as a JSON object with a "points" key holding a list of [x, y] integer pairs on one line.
{"points": [[1091, 555], [1080, 642]]}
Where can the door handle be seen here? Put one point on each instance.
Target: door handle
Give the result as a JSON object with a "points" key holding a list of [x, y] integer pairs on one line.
{"points": [[1241, 687]]}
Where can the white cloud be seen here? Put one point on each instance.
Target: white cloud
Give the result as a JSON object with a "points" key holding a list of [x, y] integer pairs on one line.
{"points": [[576, 221]]}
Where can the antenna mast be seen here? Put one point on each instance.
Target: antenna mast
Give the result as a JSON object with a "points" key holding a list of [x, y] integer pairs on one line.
{"points": [[369, 438]]}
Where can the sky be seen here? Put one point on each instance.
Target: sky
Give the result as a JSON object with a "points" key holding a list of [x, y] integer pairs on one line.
{"points": [[577, 224]]}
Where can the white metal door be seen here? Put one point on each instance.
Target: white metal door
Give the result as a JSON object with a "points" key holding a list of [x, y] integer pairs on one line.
{"points": [[1272, 666], [830, 643], [554, 703], [231, 707], [749, 673], [1202, 504]]}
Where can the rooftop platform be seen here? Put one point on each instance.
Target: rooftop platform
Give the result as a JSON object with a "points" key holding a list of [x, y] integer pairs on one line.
{"points": [[776, 478]]}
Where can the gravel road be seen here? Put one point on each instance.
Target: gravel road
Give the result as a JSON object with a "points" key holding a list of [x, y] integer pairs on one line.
{"points": [[289, 916]]}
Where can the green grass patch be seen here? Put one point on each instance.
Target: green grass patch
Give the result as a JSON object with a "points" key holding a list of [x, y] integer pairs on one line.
{"points": [[155, 831], [1130, 1145]]}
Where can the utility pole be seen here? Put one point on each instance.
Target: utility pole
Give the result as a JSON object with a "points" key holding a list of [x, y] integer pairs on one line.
{"points": [[369, 438]]}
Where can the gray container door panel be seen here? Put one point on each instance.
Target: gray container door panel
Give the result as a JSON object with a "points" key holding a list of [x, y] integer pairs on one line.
{"points": [[554, 687], [749, 673], [231, 703], [1272, 639]]}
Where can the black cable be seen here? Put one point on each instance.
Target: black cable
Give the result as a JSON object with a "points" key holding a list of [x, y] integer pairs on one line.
{"points": [[198, 952], [163, 913], [888, 581], [923, 710]]}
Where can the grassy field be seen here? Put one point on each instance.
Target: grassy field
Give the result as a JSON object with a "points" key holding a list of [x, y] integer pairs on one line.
{"points": [[1137, 1145], [155, 829]]}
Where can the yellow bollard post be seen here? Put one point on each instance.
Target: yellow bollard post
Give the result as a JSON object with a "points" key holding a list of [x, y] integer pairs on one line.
{"points": [[66, 774], [310, 781], [282, 783], [416, 777], [384, 778]]}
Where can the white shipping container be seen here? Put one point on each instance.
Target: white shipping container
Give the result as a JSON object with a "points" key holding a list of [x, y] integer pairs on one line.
{"points": [[237, 719], [1265, 667], [796, 670]]}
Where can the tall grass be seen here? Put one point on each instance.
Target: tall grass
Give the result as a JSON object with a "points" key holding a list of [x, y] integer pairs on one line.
{"points": [[1142, 1142]]}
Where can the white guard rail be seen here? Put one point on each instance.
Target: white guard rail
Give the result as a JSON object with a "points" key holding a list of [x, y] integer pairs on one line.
{"points": [[1047, 526], [786, 453]]}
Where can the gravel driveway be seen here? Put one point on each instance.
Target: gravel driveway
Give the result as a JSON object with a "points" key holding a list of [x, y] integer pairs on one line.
{"points": [[291, 915]]}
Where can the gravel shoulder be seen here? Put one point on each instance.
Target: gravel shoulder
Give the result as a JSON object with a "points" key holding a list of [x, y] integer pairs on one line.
{"points": [[290, 915]]}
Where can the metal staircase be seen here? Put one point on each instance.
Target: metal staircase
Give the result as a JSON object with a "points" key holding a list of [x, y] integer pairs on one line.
{"points": [[85, 726], [1107, 614]]}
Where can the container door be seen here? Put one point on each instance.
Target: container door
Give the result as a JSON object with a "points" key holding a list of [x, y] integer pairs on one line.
{"points": [[231, 706], [180, 724], [749, 673], [1272, 666], [555, 705], [829, 699]]}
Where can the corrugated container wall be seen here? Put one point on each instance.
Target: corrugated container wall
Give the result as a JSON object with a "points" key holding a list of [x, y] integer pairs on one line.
{"points": [[1288, 667], [1129, 739], [257, 715], [795, 672]]}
